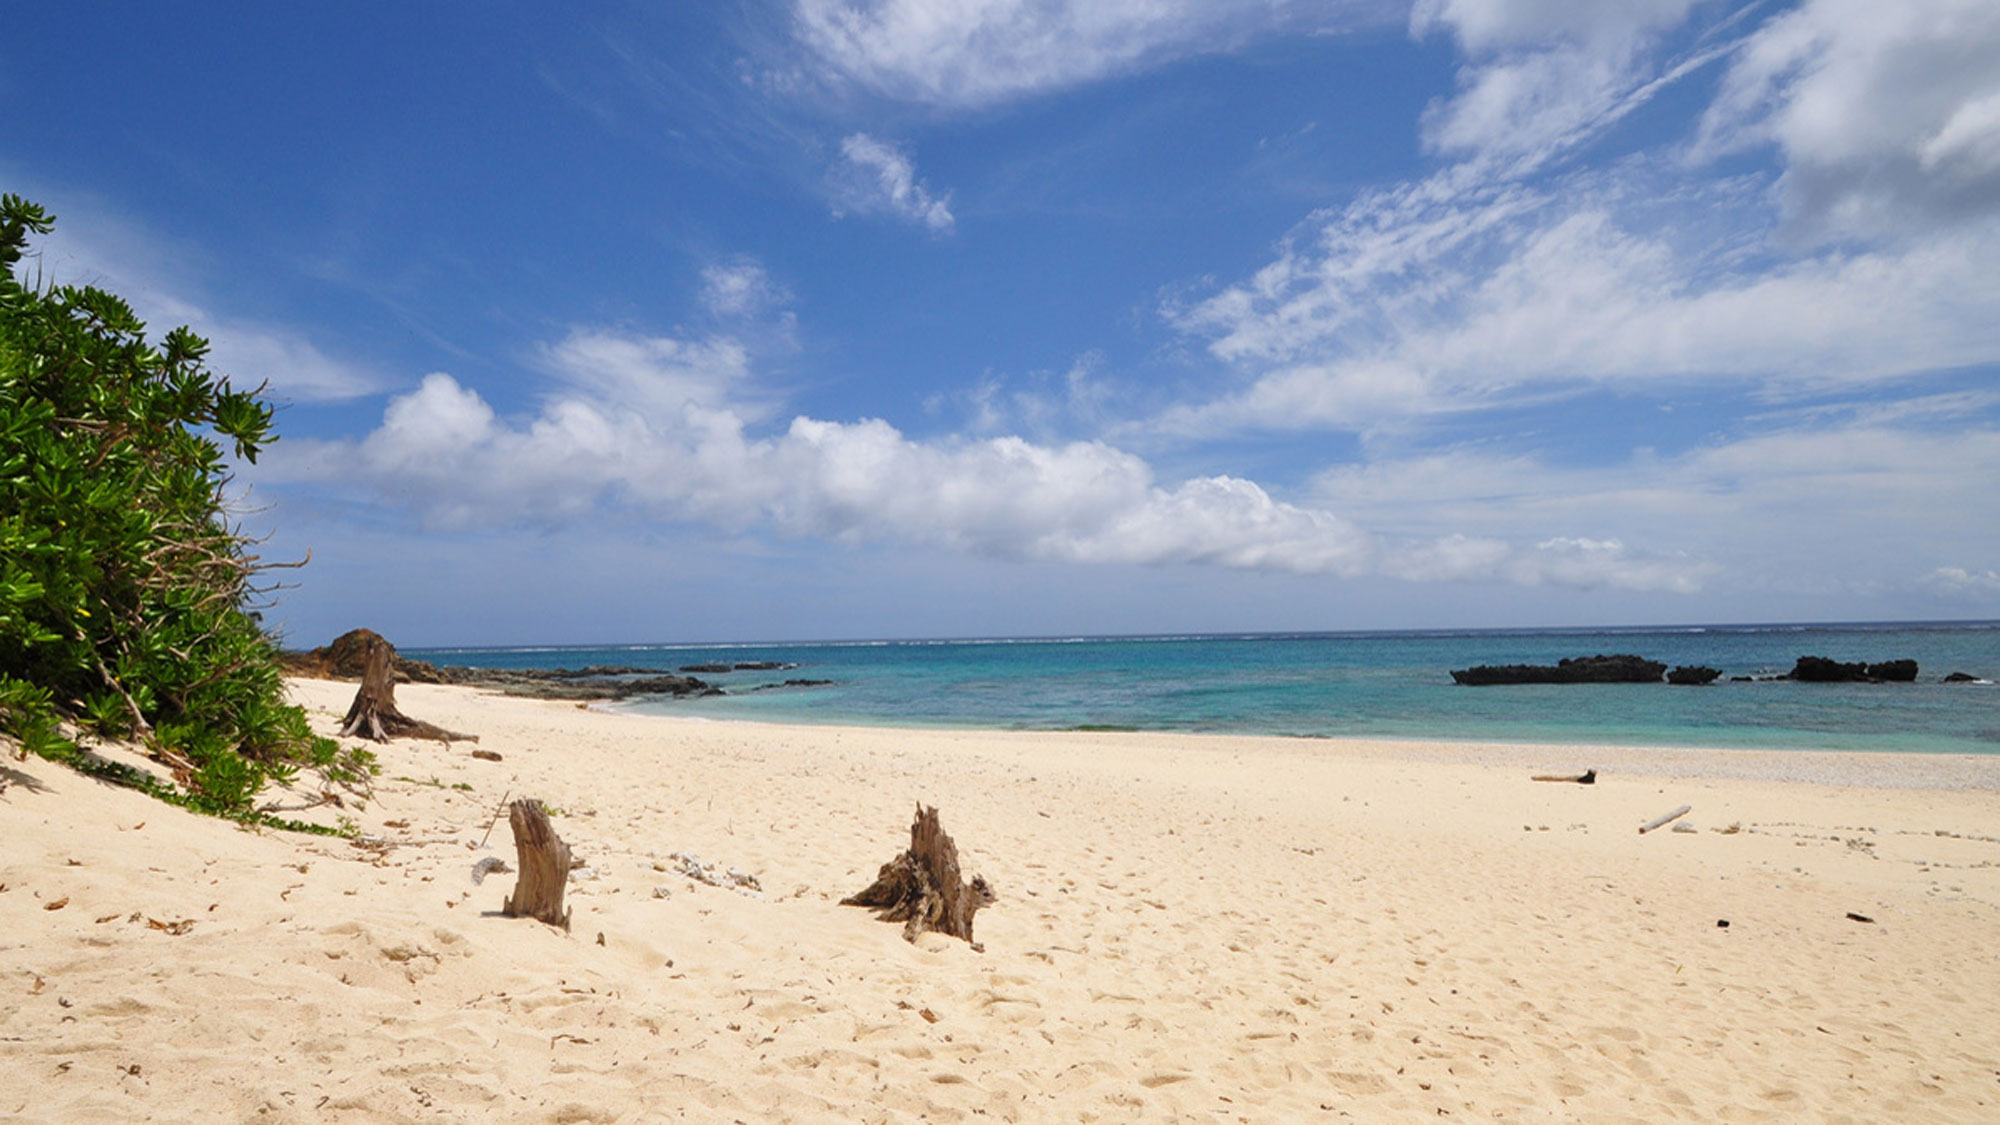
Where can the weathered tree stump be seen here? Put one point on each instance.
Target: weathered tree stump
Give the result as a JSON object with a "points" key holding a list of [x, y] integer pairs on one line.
{"points": [[921, 887], [544, 866], [373, 714]]}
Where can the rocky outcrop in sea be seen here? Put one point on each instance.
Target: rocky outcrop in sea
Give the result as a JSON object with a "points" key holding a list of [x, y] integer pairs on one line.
{"points": [[1622, 668], [342, 660], [1628, 669], [1696, 675], [1820, 670]]}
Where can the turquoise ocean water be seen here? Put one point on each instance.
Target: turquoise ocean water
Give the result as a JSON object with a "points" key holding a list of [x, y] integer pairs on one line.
{"points": [[1395, 685]]}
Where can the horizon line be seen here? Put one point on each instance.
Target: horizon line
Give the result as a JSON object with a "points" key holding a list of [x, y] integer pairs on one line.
{"points": [[1224, 635]]}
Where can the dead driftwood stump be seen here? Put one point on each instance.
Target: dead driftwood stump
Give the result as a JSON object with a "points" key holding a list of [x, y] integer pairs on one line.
{"points": [[544, 866], [373, 714], [921, 887]]}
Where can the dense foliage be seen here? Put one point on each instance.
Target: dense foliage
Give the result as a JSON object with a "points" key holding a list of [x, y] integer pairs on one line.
{"points": [[125, 594]]}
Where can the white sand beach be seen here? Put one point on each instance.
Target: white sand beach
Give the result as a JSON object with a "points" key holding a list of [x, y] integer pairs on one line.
{"points": [[1187, 928]]}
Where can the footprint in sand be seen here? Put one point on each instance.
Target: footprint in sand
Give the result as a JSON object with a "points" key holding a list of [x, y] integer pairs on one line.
{"points": [[1355, 1082]]}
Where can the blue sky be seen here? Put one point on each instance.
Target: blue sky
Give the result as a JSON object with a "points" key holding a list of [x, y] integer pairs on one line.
{"points": [[856, 318]]}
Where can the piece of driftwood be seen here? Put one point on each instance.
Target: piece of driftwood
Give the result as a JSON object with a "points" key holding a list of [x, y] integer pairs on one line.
{"points": [[544, 866], [1667, 819], [1587, 777], [921, 888], [373, 714]]}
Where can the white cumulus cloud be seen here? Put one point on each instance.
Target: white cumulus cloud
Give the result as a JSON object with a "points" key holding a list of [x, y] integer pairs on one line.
{"points": [[444, 451], [1887, 115], [661, 429], [1591, 563], [1959, 580], [658, 376]]}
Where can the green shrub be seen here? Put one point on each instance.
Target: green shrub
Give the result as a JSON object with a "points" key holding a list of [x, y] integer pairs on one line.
{"points": [[126, 596]]}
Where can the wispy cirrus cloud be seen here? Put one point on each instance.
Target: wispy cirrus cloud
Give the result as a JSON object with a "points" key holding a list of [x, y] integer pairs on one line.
{"points": [[93, 245], [874, 176], [1541, 76], [739, 288], [1510, 275], [963, 54], [1580, 299]]}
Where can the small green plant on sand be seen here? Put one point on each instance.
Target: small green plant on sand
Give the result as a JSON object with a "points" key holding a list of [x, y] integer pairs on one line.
{"points": [[127, 598]]}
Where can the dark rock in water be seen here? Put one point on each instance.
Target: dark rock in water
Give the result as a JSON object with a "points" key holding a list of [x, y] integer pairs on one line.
{"points": [[792, 683], [568, 684], [662, 685], [1820, 670], [706, 669], [1620, 669], [1961, 678], [418, 671], [1742, 679], [1696, 674], [1894, 671], [762, 666]]}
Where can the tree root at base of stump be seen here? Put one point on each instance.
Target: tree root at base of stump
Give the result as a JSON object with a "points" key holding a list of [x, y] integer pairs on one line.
{"points": [[373, 714]]}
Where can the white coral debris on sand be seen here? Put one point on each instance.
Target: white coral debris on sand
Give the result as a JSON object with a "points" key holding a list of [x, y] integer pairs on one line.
{"points": [[732, 879], [491, 865]]}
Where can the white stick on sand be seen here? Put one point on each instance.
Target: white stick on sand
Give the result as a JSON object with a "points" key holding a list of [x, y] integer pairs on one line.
{"points": [[1667, 819]]}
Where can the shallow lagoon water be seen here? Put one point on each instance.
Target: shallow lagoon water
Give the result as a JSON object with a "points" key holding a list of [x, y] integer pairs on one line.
{"points": [[1394, 685]]}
